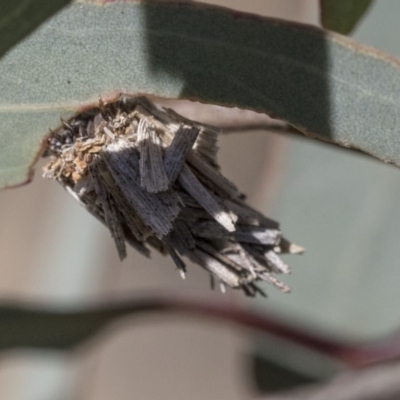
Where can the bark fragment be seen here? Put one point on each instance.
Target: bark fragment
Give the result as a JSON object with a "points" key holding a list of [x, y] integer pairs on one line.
{"points": [[151, 176]]}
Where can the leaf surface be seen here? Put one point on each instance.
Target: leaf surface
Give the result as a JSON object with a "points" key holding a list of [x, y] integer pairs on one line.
{"points": [[324, 84], [18, 18]]}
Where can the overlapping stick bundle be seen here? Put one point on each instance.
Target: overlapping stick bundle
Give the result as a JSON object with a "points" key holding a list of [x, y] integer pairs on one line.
{"points": [[151, 176]]}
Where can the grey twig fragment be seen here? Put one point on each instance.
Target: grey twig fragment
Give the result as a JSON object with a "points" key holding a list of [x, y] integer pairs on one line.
{"points": [[178, 150], [123, 162], [152, 173], [249, 216], [292, 248], [180, 265], [246, 234], [215, 208], [181, 237], [132, 220], [215, 267], [211, 174], [219, 256], [112, 216], [206, 144], [151, 176], [275, 263]]}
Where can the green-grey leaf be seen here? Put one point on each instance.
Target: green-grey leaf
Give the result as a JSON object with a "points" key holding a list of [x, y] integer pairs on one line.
{"points": [[18, 18], [322, 83], [45, 328], [342, 15], [51, 328]]}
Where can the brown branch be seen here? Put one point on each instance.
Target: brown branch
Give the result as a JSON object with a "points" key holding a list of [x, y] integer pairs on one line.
{"points": [[353, 354]]}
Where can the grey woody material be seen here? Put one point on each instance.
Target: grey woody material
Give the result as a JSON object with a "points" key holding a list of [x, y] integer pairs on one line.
{"points": [[152, 177]]}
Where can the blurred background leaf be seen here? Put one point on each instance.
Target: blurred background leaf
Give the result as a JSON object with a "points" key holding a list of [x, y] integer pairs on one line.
{"points": [[342, 15], [343, 208]]}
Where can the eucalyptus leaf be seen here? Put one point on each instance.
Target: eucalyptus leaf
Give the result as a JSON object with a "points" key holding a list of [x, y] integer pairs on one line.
{"points": [[63, 329], [21, 17], [324, 84], [342, 15]]}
